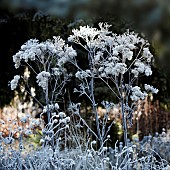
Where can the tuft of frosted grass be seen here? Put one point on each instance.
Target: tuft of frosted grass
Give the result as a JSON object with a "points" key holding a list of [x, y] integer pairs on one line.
{"points": [[80, 153]]}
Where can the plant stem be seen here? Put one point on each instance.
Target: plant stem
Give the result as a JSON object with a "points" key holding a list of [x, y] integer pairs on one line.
{"points": [[47, 102], [124, 127], [95, 111], [124, 122], [90, 58]]}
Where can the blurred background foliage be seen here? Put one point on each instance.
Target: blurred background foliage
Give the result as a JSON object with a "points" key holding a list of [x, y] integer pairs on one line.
{"points": [[21, 20]]}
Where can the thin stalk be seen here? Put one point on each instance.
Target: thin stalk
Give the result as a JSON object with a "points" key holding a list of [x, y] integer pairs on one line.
{"points": [[124, 121], [123, 110], [47, 102], [124, 128], [110, 87], [95, 111], [93, 99]]}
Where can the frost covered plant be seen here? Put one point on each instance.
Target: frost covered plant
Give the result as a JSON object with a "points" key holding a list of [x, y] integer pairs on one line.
{"points": [[47, 61], [118, 61], [49, 58]]}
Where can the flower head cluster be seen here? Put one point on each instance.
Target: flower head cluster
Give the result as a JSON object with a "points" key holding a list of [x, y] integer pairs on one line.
{"points": [[66, 55], [137, 94], [51, 108], [58, 71], [119, 68], [42, 79], [112, 54], [28, 52], [92, 36], [33, 50], [83, 74], [147, 54], [151, 88], [14, 82], [112, 69], [141, 67], [85, 33]]}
